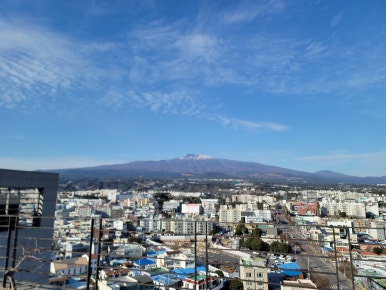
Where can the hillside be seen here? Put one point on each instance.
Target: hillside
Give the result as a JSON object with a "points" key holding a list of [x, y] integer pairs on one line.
{"points": [[201, 166]]}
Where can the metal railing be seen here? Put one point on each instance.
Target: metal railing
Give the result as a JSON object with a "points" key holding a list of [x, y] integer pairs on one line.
{"points": [[330, 261]]}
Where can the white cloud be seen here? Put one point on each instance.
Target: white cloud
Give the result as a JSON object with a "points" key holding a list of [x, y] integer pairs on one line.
{"points": [[197, 46], [36, 63], [314, 49], [336, 20], [176, 102], [250, 125], [247, 12]]}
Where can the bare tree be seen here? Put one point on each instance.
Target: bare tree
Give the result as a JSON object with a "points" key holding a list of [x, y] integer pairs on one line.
{"points": [[26, 254]]}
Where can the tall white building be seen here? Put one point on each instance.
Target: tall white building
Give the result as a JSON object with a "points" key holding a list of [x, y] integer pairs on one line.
{"points": [[227, 214], [151, 224], [352, 209], [378, 230], [209, 206], [185, 226]]}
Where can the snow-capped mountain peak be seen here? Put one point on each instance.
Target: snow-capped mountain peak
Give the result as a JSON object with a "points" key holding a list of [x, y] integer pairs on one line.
{"points": [[196, 156]]}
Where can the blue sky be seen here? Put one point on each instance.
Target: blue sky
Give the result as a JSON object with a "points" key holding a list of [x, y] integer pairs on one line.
{"points": [[296, 84]]}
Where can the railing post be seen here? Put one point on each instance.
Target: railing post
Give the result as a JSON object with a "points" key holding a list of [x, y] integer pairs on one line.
{"points": [[99, 253], [15, 242], [336, 259], [195, 255], [8, 249], [89, 269], [206, 255], [350, 251]]}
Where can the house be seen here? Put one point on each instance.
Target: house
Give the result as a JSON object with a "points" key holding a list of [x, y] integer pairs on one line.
{"points": [[291, 270], [144, 264], [309, 209], [201, 282], [175, 260], [127, 283], [70, 267], [167, 281], [299, 284]]}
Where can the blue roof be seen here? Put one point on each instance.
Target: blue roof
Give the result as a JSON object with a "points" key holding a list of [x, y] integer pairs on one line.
{"points": [[184, 272], [290, 269], [165, 279], [144, 262], [152, 253]]}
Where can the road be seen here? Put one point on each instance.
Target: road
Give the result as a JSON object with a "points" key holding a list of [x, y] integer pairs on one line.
{"points": [[312, 261]]}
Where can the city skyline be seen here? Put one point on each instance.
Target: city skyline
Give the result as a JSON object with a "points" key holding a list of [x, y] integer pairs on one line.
{"points": [[298, 85]]}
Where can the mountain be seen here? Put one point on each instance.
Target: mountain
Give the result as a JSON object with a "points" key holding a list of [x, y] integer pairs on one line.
{"points": [[204, 166]]}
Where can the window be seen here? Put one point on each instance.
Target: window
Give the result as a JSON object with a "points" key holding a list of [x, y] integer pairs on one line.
{"points": [[248, 275], [249, 283], [26, 203]]}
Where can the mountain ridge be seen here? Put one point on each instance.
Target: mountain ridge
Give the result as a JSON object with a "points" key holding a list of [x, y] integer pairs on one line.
{"points": [[202, 166]]}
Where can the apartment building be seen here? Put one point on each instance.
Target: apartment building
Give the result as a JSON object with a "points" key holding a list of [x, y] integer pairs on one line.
{"points": [[172, 205], [151, 225], [352, 209], [227, 214], [253, 274], [83, 211], [244, 198], [187, 226], [378, 230], [209, 206]]}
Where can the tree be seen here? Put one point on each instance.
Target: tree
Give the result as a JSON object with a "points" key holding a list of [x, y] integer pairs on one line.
{"points": [[278, 247], [256, 232], [377, 250], [255, 244], [241, 229], [236, 285], [220, 273], [342, 214], [246, 243], [258, 244], [323, 211]]}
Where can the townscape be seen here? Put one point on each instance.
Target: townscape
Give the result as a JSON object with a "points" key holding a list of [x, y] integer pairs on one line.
{"points": [[228, 234]]}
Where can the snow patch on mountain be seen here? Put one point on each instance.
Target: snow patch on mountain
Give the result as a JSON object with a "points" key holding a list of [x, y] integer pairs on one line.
{"points": [[196, 156]]}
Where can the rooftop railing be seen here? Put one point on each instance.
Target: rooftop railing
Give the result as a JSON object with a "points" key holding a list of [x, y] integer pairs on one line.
{"points": [[93, 254]]}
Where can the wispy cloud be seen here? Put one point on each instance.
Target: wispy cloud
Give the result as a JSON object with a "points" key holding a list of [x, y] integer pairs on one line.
{"points": [[166, 66], [336, 20], [249, 11], [36, 64], [250, 125], [314, 49], [175, 102]]}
